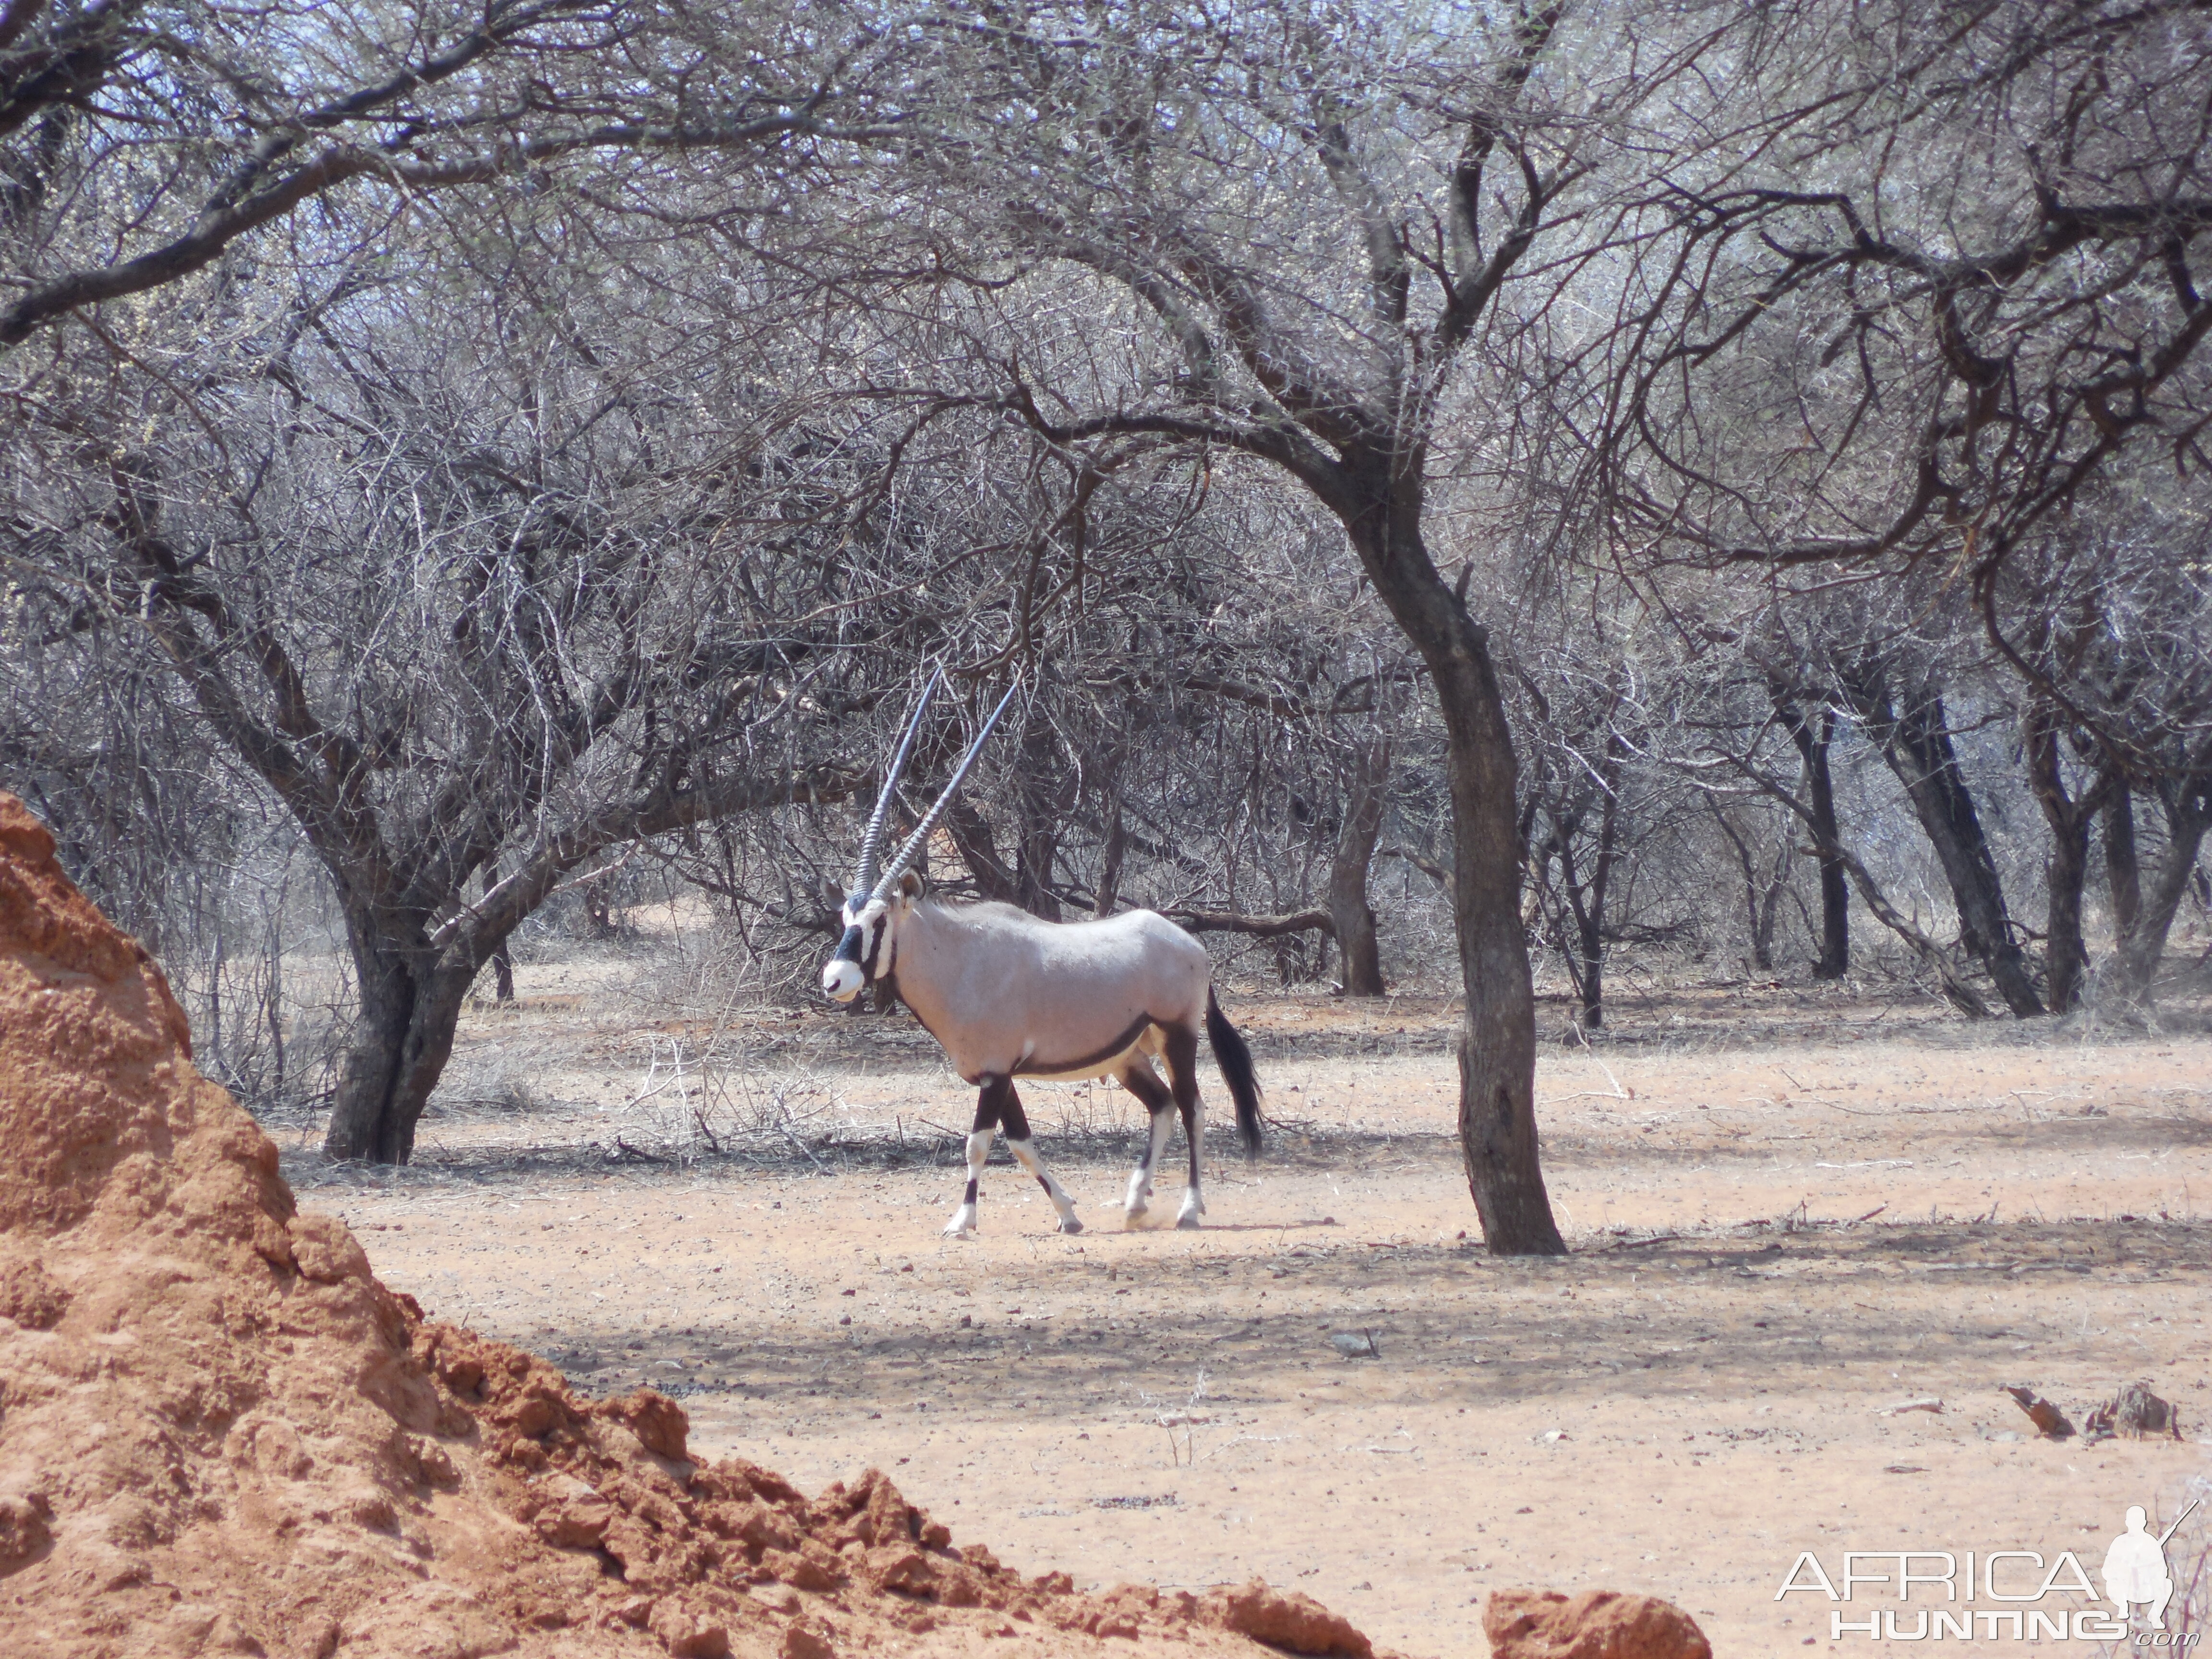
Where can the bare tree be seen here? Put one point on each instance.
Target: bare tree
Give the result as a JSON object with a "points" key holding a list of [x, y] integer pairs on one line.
{"points": [[1191, 733], [1572, 808], [1939, 275], [1305, 286], [1903, 714], [1929, 288], [1351, 918], [2109, 617], [443, 608], [1814, 733], [1736, 753], [138, 150], [1762, 845], [651, 391]]}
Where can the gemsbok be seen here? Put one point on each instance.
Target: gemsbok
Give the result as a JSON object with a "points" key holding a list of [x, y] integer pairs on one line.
{"points": [[1009, 994]]}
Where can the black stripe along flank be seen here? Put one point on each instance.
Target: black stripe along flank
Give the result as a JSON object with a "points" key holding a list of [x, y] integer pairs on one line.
{"points": [[1039, 1068]]}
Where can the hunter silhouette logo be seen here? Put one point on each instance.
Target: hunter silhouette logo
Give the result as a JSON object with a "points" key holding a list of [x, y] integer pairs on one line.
{"points": [[2134, 1567], [2002, 1594]]}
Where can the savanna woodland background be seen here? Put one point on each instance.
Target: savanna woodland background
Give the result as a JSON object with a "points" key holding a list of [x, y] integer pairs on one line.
{"points": [[1457, 485], [1602, 534]]}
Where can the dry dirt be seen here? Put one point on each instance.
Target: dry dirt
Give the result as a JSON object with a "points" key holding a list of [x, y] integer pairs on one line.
{"points": [[1791, 1209], [219, 1434]]}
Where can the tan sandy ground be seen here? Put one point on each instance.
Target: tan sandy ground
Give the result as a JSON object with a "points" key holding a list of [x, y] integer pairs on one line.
{"points": [[1679, 1417]]}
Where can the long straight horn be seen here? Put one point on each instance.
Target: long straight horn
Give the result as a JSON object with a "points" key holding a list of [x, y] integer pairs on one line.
{"points": [[919, 838], [872, 844]]}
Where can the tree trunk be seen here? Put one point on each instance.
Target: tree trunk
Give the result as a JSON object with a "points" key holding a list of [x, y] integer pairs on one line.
{"points": [[1380, 507], [978, 848], [401, 1040], [1587, 901], [1915, 738], [1033, 861], [1044, 790], [1769, 912], [2188, 817], [2064, 873], [2123, 871], [1835, 959], [1109, 863], [1589, 918], [1365, 795], [1762, 887], [502, 965], [2066, 958]]}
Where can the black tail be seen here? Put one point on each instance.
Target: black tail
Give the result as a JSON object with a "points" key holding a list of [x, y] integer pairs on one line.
{"points": [[1235, 1060]]}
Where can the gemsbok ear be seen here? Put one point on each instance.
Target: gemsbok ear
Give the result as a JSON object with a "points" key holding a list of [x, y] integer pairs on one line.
{"points": [[910, 883]]}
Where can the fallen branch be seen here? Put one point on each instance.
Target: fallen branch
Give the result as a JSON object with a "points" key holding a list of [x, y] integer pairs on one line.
{"points": [[1641, 1243], [804, 1148]]}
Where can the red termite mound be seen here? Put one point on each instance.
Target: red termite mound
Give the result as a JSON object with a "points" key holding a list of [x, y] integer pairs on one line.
{"points": [[219, 1434], [1529, 1624]]}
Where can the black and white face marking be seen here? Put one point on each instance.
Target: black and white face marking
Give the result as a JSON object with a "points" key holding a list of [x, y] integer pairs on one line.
{"points": [[859, 952]]}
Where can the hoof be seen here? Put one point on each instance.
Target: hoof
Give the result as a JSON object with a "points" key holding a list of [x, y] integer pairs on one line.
{"points": [[962, 1225], [1134, 1220], [1070, 1225], [1188, 1223]]}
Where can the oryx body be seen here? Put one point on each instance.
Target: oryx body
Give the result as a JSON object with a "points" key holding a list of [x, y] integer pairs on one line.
{"points": [[1011, 995]]}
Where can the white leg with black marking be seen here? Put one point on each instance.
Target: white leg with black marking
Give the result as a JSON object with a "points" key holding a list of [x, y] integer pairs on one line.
{"points": [[1180, 1050], [979, 1149], [1001, 1104], [1194, 1197], [1141, 1178], [1141, 1081], [1025, 1155]]}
